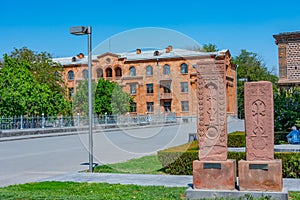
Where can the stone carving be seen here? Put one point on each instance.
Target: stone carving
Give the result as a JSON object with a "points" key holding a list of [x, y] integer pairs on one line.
{"points": [[259, 121], [212, 128]]}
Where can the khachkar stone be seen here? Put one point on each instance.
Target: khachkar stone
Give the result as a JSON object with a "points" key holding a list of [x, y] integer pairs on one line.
{"points": [[212, 170], [259, 115], [212, 122], [259, 171]]}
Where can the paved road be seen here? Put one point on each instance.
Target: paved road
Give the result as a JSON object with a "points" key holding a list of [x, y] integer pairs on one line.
{"points": [[29, 160], [33, 159]]}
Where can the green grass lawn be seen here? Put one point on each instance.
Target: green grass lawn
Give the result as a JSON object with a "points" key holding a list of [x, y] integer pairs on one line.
{"points": [[143, 165], [81, 191], [69, 190]]}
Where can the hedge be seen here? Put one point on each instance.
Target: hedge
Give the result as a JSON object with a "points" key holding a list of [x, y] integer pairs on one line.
{"points": [[236, 139], [178, 160]]}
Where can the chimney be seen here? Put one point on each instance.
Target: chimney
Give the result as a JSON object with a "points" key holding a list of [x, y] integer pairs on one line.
{"points": [[138, 51], [169, 49], [81, 55]]}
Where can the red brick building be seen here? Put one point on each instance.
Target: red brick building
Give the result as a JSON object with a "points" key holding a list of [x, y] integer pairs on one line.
{"points": [[288, 58], [160, 81]]}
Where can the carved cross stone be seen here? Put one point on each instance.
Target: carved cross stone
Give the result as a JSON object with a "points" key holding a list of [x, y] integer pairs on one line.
{"points": [[212, 122], [259, 121]]}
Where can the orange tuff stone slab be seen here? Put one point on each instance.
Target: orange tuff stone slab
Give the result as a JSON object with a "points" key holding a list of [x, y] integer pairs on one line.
{"points": [[260, 175], [259, 118], [214, 175], [212, 121]]}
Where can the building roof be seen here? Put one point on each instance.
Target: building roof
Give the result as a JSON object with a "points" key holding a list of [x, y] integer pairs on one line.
{"points": [[287, 33], [287, 37], [144, 55]]}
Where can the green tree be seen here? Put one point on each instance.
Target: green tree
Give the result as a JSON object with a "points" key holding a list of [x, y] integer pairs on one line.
{"points": [[42, 67], [110, 99], [21, 94], [80, 102], [250, 67], [120, 100], [286, 108], [205, 48]]}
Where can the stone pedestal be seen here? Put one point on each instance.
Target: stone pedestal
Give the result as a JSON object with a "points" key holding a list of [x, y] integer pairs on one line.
{"points": [[260, 175], [214, 175]]}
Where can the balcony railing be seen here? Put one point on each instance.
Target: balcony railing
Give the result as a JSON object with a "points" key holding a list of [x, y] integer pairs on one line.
{"points": [[166, 96]]}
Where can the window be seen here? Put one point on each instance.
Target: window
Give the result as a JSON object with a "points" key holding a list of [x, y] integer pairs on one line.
{"points": [[85, 74], [184, 106], [184, 68], [132, 71], [166, 69], [167, 87], [167, 106], [184, 87], [132, 88], [133, 107], [71, 92], [150, 107], [118, 71], [149, 70], [149, 88], [108, 72], [99, 73], [70, 75]]}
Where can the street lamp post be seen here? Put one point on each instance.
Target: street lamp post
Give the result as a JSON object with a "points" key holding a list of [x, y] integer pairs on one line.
{"points": [[87, 30]]}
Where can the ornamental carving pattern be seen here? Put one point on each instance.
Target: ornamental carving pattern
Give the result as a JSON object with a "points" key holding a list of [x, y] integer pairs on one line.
{"points": [[259, 121], [212, 122]]}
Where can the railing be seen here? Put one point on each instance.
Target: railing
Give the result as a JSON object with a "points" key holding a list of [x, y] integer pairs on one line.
{"points": [[166, 96], [27, 122]]}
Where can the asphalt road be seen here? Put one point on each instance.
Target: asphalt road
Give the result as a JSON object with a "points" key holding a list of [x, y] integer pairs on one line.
{"points": [[30, 160]]}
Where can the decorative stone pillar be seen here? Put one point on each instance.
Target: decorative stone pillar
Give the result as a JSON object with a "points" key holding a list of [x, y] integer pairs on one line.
{"points": [[212, 170], [259, 171]]}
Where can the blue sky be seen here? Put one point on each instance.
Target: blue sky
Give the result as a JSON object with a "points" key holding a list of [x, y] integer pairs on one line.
{"points": [[233, 25]]}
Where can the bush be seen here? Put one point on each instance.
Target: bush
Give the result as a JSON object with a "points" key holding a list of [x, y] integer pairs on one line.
{"points": [[280, 137], [177, 161], [236, 139]]}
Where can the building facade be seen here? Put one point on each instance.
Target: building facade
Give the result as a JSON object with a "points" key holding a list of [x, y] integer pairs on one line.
{"points": [[160, 81], [288, 58]]}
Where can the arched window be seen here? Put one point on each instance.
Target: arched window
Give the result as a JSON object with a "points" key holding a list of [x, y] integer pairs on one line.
{"points": [[99, 73], [70, 75], [149, 70], [166, 69], [108, 72], [85, 74], [132, 71], [184, 68], [118, 72]]}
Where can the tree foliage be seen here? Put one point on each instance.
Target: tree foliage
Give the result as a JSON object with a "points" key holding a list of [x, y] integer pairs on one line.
{"points": [[110, 99], [80, 102], [21, 94], [286, 108], [205, 48], [42, 68], [250, 67]]}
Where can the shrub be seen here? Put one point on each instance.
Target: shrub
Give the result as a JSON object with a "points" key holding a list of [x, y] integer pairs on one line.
{"points": [[236, 139], [280, 137], [177, 161]]}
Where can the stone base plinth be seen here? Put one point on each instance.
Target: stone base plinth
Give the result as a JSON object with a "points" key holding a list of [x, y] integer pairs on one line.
{"points": [[214, 175], [233, 194], [260, 175]]}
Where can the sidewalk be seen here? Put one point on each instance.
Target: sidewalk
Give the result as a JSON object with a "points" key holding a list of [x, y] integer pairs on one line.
{"points": [[146, 180]]}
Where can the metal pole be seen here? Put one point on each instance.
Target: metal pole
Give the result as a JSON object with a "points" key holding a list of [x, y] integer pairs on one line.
{"points": [[90, 99]]}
